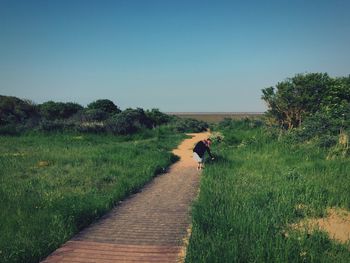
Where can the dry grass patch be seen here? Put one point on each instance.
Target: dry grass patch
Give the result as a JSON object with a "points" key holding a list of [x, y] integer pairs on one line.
{"points": [[336, 224], [42, 164]]}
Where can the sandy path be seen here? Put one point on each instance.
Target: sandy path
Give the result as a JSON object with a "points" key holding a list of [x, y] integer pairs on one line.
{"points": [[184, 150], [150, 226]]}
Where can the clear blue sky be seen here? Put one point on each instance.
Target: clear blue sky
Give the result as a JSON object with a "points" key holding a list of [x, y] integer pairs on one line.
{"points": [[172, 55]]}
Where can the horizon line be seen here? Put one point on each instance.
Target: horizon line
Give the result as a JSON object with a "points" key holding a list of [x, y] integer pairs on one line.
{"points": [[216, 112]]}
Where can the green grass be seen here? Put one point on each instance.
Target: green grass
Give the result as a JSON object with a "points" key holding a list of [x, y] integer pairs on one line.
{"points": [[251, 194], [52, 185]]}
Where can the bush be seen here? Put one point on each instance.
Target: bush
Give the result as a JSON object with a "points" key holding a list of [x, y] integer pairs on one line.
{"points": [[51, 110], [51, 126], [105, 105], [190, 125], [139, 117], [17, 115], [231, 139], [319, 125], [327, 141], [16, 111], [56, 125], [121, 124], [245, 123], [128, 122], [92, 115], [9, 129], [157, 118], [217, 137], [91, 127]]}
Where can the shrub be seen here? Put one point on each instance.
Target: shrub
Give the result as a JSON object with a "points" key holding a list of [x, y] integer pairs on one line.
{"points": [[70, 109], [56, 125], [51, 126], [51, 110], [91, 127], [327, 141], [190, 125], [105, 105], [121, 124], [217, 137], [92, 115], [231, 139], [225, 123], [157, 118], [16, 111], [9, 129], [319, 125], [128, 122], [245, 123], [139, 117]]}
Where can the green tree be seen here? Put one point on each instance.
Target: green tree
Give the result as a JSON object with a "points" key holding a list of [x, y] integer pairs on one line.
{"points": [[336, 101], [296, 98]]}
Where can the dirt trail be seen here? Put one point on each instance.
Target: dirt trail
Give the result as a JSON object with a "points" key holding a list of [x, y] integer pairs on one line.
{"points": [[150, 226], [184, 150]]}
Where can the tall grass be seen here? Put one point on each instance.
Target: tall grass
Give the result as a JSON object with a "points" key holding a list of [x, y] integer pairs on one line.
{"points": [[256, 188], [52, 185]]}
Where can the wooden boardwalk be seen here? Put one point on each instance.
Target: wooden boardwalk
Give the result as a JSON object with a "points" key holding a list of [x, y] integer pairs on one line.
{"points": [[150, 226]]}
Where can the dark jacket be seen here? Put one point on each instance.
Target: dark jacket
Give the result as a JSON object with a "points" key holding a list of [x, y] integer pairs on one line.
{"points": [[201, 148]]}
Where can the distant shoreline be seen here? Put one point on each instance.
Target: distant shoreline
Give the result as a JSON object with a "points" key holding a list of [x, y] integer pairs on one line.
{"points": [[216, 113], [215, 117]]}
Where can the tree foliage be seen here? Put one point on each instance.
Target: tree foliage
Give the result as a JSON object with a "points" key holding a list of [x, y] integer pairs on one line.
{"points": [[336, 101], [299, 97]]}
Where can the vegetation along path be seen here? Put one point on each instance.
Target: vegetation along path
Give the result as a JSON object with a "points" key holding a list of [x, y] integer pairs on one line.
{"points": [[150, 226]]}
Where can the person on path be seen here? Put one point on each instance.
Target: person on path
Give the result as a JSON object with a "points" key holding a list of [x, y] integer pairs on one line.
{"points": [[199, 151]]}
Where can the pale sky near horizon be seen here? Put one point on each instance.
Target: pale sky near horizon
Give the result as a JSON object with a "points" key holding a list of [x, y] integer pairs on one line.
{"points": [[173, 55]]}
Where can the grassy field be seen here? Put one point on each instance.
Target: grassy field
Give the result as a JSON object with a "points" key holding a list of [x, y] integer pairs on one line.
{"points": [[217, 117], [258, 187], [52, 185]]}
